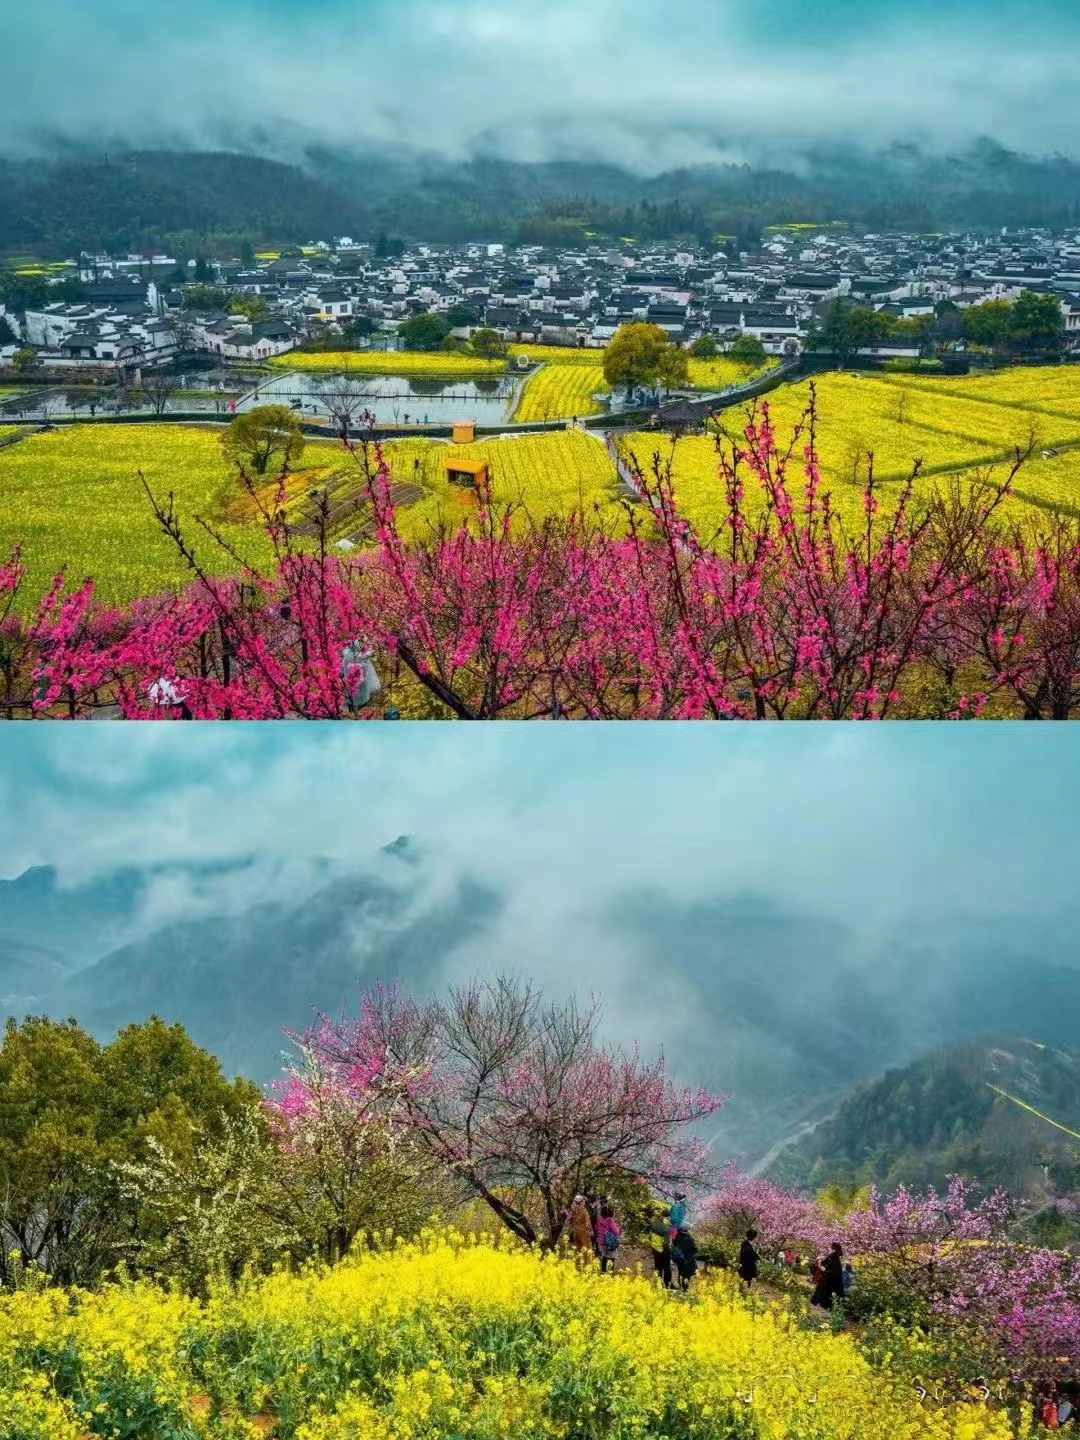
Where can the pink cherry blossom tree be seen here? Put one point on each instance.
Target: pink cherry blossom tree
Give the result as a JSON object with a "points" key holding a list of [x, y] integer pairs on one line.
{"points": [[517, 1098], [781, 1217], [346, 1157]]}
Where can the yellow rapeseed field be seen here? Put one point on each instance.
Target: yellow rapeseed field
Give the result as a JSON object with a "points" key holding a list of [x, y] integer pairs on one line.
{"points": [[720, 372], [900, 421], [73, 499], [1043, 390], [447, 1338], [547, 474], [405, 362], [558, 355], [561, 392]]}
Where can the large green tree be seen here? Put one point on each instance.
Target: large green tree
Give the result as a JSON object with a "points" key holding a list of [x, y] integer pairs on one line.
{"points": [[1037, 324], [640, 357], [72, 1114], [489, 344], [268, 434], [205, 297], [749, 352], [846, 328], [988, 324], [424, 332], [252, 307]]}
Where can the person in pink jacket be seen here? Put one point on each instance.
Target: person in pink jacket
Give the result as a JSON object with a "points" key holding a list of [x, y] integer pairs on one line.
{"points": [[608, 1235]]}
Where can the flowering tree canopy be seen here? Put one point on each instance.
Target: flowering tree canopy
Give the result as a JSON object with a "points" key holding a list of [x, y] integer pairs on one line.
{"points": [[517, 1098], [781, 1217]]}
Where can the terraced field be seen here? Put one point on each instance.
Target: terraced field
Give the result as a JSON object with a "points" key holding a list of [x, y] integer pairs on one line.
{"points": [[952, 430], [74, 499]]}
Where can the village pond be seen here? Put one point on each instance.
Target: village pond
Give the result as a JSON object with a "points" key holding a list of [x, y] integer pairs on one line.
{"points": [[393, 399], [200, 393]]}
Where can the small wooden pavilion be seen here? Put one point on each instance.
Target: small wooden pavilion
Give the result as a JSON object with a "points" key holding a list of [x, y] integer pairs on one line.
{"points": [[470, 474], [683, 417]]}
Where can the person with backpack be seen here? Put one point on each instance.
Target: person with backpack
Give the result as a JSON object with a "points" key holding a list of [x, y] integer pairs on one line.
{"points": [[749, 1259], [608, 1237], [684, 1251], [660, 1244]]}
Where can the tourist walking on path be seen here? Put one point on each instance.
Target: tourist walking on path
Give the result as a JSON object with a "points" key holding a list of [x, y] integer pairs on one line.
{"points": [[678, 1212], [749, 1259], [660, 1243], [608, 1236], [580, 1225], [684, 1250], [830, 1287]]}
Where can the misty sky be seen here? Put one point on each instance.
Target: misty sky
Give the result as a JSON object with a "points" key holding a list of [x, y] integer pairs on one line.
{"points": [[643, 82], [865, 823]]}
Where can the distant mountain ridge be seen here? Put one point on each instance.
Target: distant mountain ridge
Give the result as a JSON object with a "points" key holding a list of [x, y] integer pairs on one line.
{"points": [[135, 200], [786, 1010]]}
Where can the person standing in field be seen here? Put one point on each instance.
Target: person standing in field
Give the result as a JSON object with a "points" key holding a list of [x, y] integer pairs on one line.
{"points": [[660, 1243], [592, 1204], [608, 1236], [749, 1259], [678, 1212], [580, 1225], [684, 1250], [830, 1287]]}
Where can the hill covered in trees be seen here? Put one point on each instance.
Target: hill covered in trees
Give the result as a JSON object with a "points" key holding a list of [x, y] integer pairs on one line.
{"points": [[142, 199], [947, 1113]]}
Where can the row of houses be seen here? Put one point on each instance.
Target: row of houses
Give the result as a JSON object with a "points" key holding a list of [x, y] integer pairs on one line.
{"points": [[133, 316]]}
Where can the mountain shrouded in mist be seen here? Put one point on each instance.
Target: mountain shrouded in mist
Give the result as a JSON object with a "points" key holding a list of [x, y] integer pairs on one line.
{"points": [[786, 1009], [55, 206]]}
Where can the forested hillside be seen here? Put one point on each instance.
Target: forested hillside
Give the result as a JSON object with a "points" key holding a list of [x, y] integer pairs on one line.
{"points": [[142, 199], [939, 1116], [131, 202]]}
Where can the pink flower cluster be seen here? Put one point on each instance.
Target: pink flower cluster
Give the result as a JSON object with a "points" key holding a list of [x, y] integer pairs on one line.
{"points": [[781, 612]]}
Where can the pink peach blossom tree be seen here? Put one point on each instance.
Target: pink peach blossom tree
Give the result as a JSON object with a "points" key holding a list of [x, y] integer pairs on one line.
{"points": [[518, 1099]]}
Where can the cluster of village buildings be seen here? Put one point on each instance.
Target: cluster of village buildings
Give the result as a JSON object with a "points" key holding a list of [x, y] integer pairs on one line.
{"points": [[137, 314]]}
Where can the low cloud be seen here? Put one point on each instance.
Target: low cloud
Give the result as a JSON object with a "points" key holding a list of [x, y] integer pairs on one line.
{"points": [[863, 824], [636, 82]]}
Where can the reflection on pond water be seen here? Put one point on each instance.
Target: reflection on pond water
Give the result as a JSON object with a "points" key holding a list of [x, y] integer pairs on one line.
{"points": [[395, 399], [392, 399]]}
